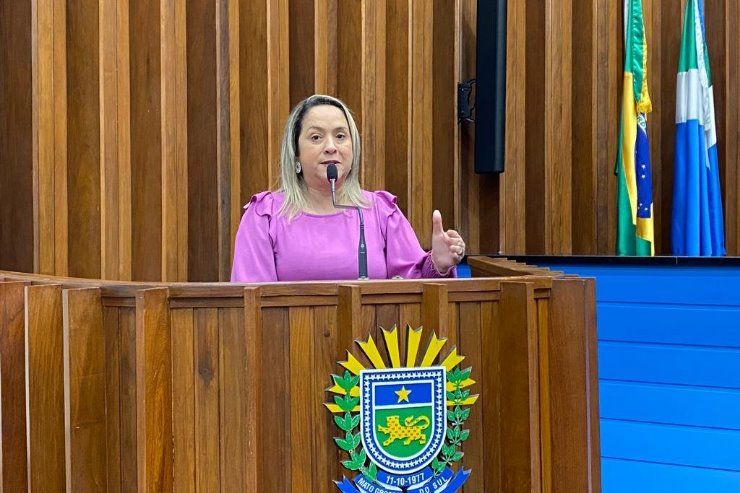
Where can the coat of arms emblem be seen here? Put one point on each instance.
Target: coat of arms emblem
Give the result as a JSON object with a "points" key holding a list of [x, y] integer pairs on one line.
{"points": [[403, 425]]}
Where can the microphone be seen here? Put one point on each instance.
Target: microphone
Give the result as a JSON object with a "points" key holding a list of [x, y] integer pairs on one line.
{"points": [[332, 175]]}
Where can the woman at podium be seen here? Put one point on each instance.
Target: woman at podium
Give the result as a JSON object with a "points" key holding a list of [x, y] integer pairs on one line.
{"points": [[320, 224]]}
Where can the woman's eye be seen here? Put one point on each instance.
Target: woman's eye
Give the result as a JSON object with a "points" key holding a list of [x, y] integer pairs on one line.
{"points": [[315, 137], [341, 136]]}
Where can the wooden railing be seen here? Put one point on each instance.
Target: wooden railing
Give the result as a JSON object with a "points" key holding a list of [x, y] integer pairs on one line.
{"points": [[110, 386]]}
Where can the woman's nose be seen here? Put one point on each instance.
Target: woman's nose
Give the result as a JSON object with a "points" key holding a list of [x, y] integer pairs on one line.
{"points": [[331, 146]]}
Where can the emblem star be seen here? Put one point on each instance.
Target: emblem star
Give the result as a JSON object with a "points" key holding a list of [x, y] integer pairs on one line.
{"points": [[403, 394]]}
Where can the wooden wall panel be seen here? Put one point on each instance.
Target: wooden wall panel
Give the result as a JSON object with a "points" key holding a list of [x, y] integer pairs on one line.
{"points": [[136, 131], [584, 88], [183, 400], [16, 138], [83, 150], [202, 137], [398, 105], [445, 167], [115, 144], [45, 383], [174, 127], [146, 139], [154, 452], [111, 324], [421, 22], [84, 390], [234, 416], [128, 398], [13, 459]]}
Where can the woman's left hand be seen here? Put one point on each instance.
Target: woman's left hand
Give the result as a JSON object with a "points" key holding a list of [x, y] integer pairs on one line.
{"points": [[448, 247]]}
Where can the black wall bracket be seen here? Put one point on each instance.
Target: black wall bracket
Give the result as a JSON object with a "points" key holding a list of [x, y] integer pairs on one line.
{"points": [[464, 108]]}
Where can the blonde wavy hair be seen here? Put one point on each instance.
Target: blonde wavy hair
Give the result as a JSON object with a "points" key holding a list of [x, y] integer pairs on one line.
{"points": [[292, 184]]}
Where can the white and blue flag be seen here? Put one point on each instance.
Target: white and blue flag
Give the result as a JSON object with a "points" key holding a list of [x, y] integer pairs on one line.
{"points": [[697, 222]]}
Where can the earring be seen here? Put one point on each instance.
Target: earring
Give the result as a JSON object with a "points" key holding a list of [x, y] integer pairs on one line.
{"points": [[297, 167]]}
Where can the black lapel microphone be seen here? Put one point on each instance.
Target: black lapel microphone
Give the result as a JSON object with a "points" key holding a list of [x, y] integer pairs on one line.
{"points": [[332, 175]]}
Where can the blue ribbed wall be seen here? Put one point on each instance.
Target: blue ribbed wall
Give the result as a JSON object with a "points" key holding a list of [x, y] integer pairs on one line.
{"points": [[669, 370]]}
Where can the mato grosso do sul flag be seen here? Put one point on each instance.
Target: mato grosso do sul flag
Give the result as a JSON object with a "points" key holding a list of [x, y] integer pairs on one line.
{"points": [[634, 181], [697, 221]]}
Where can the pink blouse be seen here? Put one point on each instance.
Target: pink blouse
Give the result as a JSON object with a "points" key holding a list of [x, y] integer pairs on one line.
{"points": [[310, 247]]}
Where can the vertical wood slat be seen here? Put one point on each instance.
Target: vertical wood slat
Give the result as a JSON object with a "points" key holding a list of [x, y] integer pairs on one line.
{"points": [[398, 102], [373, 105], [328, 350], [349, 64], [111, 327], [207, 382], [234, 127], [349, 315], [16, 137], [110, 240], [470, 346], [44, 388], [13, 462], [513, 187], [253, 395], [83, 150], [434, 308], [278, 75], [519, 381], [302, 392], [223, 133], [490, 396], [128, 398], [154, 446], [253, 92], [146, 138], [276, 422], [50, 136], [174, 142], [445, 162], [234, 417], [574, 382], [125, 194], [558, 130], [203, 145], [84, 390], [183, 399], [607, 75], [421, 20], [584, 148]]}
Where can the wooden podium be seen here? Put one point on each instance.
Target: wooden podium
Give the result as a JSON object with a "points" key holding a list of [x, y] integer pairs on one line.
{"points": [[113, 386]]}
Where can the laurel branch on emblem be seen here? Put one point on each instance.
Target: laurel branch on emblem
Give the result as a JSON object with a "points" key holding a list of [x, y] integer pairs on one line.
{"points": [[348, 424], [457, 416]]}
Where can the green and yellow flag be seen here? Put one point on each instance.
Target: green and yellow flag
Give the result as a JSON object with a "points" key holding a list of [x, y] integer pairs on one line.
{"points": [[634, 182]]}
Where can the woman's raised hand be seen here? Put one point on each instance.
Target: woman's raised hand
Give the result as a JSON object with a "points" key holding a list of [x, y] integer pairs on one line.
{"points": [[448, 247]]}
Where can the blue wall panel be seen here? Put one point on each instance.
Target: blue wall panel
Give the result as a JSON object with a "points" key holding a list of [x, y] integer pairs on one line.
{"points": [[670, 324], [676, 404], [689, 365], [669, 370], [670, 444], [623, 476]]}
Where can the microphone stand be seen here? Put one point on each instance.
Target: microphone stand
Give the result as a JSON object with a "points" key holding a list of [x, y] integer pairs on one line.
{"points": [[362, 249]]}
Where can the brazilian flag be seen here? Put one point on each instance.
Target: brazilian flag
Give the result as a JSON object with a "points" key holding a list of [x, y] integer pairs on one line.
{"points": [[634, 182]]}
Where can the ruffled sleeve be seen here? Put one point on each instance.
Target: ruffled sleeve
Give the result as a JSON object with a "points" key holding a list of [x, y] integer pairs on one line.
{"points": [[404, 256], [254, 257]]}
